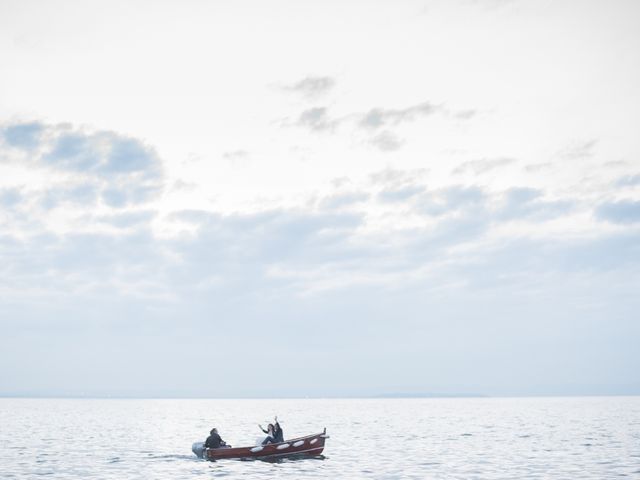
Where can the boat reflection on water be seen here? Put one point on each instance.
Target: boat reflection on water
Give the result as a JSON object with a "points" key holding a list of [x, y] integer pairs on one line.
{"points": [[291, 458]]}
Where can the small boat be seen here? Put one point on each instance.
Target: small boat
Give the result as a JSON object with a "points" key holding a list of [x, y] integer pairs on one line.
{"points": [[303, 446]]}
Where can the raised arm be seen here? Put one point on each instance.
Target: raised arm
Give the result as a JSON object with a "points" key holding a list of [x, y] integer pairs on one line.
{"points": [[263, 430]]}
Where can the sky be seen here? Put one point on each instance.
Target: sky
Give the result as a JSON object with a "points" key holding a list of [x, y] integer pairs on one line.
{"points": [[336, 198]]}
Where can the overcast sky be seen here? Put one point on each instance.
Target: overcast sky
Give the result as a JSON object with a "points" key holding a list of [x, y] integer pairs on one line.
{"points": [[248, 198]]}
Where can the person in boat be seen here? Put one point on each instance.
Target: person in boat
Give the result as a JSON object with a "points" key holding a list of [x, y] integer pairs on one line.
{"points": [[274, 433], [278, 434], [270, 436], [214, 440]]}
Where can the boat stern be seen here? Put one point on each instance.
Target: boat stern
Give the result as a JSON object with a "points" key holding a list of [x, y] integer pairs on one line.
{"points": [[198, 449]]}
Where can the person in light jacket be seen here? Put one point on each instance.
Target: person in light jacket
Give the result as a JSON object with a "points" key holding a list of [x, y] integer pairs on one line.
{"points": [[274, 433]]}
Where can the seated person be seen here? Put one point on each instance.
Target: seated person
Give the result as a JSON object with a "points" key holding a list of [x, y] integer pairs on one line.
{"points": [[270, 436], [274, 433], [214, 440]]}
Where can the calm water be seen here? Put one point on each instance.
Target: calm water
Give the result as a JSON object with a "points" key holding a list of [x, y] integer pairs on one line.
{"points": [[414, 438]]}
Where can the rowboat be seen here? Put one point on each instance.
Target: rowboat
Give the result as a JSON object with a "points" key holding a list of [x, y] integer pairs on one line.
{"points": [[303, 446]]}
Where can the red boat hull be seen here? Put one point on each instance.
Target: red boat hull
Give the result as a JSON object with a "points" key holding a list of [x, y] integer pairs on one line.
{"points": [[309, 445]]}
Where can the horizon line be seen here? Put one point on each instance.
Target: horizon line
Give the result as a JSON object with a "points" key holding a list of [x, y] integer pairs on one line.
{"points": [[309, 397]]}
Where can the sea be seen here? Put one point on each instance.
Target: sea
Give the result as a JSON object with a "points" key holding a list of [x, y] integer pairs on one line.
{"points": [[439, 438]]}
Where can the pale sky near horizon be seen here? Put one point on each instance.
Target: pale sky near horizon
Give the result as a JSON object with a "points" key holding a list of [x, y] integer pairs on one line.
{"points": [[244, 198]]}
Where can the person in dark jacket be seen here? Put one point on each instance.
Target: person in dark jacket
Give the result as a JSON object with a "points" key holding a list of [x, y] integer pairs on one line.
{"points": [[214, 440], [278, 434]]}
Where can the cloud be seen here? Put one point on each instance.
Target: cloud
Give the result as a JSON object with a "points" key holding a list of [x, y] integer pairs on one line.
{"points": [[536, 167], [520, 195], [523, 204], [128, 155], [573, 258], [376, 122], [129, 193], [469, 225], [326, 245], [464, 114], [316, 119], [527, 203], [312, 86], [184, 186], [74, 151], [383, 117], [83, 167], [83, 194], [478, 167], [44, 265], [579, 150], [243, 248], [342, 200], [397, 177], [10, 197], [380, 117], [622, 212], [452, 199], [274, 270], [400, 194], [103, 153], [23, 135], [235, 155], [129, 219], [628, 181], [616, 164], [458, 196], [386, 142], [238, 158]]}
